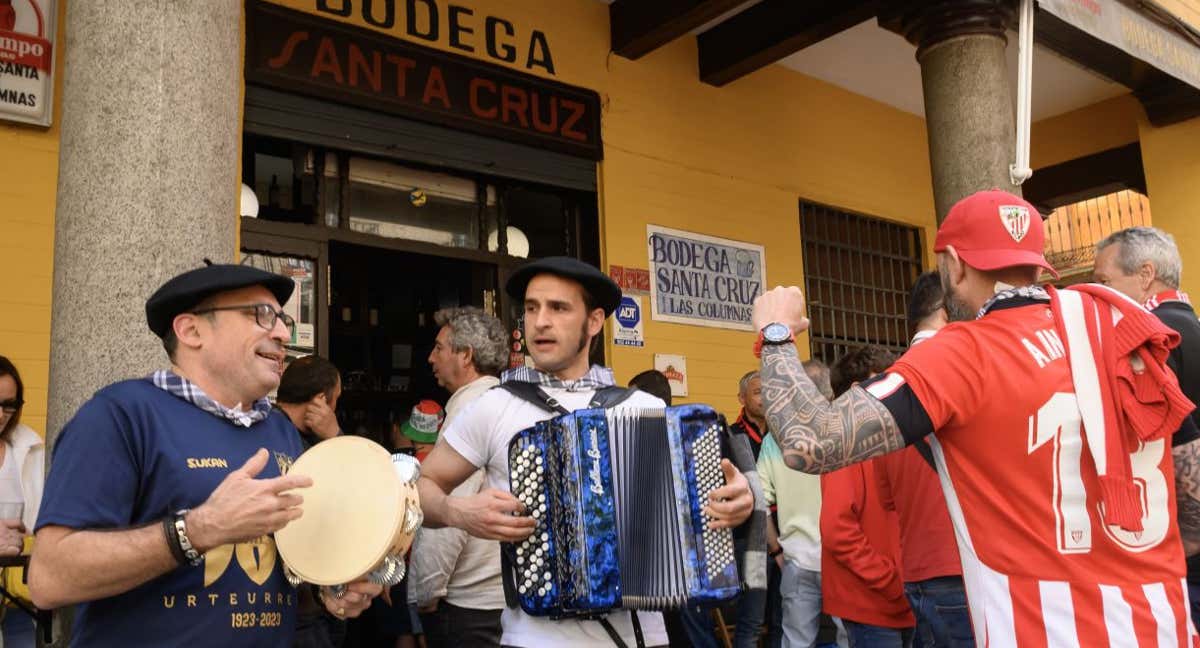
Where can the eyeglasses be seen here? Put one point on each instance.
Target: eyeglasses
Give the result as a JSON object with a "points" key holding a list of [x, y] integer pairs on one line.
{"points": [[264, 314], [11, 407]]}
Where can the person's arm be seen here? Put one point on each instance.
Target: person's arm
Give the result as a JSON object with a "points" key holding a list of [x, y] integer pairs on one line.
{"points": [[883, 481], [490, 514], [816, 435], [843, 499], [1187, 493], [72, 565]]}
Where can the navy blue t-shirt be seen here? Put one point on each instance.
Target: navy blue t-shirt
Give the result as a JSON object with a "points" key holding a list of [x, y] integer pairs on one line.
{"points": [[133, 454]]}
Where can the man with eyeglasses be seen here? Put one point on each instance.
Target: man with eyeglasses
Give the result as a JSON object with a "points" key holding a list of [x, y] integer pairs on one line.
{"points": [[164, 491]]}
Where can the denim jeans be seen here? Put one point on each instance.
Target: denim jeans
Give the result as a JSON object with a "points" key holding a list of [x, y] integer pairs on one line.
{"points": [[19, 629], [940, 605], [862, 635], [1194, 602], [698, 622], [800, 590]]}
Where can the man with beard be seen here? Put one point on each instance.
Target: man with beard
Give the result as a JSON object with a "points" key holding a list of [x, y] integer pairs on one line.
{"points": [[157, 484], [565, 302], [1055, 549]]}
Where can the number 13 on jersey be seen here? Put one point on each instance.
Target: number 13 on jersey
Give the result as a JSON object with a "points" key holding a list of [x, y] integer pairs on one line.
{"points": [[1057, 428]]}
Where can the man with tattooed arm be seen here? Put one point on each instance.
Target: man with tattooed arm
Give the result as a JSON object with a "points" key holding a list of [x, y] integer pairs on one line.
{"points": [[1060, 439]]}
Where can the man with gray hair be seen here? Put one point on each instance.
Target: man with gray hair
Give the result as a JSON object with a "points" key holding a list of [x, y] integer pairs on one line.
{"points": [[458, 586], [1144, 264]]}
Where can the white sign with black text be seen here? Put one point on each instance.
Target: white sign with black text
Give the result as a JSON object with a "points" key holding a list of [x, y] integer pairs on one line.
{"points": [[703, 280], [27, 61]]}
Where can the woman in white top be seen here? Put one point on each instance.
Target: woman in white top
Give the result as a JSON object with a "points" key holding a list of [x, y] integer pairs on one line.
{"points": [[22, 473]]}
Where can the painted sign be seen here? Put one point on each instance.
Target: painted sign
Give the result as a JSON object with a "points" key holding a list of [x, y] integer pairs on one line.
{"points": [[1128, 30], [27, 61], [674, 367], [633, 281], [703, 280], [629, 331], [299, 52]]}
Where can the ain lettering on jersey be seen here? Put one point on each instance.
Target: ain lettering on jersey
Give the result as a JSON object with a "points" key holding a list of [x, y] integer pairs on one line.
{"points": [[1044, 347]]}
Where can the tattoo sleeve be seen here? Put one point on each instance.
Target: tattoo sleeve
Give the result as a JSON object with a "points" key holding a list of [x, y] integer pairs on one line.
{"points": [[816, 435], [1187, 494]]}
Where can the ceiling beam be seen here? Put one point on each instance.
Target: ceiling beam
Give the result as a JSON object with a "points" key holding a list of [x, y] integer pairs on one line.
{"points": [[1167, 100], [639, 27], [772, 30]]}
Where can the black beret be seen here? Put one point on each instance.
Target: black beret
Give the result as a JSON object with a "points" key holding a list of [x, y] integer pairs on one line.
{"points": [[604, 291], [184, 291]]}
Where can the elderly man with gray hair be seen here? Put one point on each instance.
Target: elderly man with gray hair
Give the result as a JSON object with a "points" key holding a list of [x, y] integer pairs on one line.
{"points": [[1144, 264], [458, 586]]}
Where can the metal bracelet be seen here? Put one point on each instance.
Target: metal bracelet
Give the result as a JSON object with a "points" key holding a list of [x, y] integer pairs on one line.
{"points": [[193, 557]]}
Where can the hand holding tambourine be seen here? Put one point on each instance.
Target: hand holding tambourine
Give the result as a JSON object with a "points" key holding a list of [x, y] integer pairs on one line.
{"points": [[360, 516]]}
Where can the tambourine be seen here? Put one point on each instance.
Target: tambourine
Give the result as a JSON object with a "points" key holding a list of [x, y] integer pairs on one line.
{"points": [[360, 515]]}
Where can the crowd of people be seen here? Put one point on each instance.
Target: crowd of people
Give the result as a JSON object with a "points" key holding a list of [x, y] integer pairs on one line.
{"points": [[1025, 473]]}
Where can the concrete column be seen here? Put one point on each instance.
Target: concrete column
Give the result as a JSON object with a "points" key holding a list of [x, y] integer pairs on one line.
{"points": [[148, 178], [968, 102]]}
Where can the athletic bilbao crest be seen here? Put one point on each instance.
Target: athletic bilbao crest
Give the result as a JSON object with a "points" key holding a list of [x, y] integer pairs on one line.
{"points": [[1016, 220]]}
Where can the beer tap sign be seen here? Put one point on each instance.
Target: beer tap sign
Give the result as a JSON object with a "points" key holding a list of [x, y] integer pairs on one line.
{"points": [[27, 61]]}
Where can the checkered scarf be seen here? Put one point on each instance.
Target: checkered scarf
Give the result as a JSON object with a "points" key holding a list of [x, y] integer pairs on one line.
{"points": [[595, 378], [189, 391], [1028, 292]]}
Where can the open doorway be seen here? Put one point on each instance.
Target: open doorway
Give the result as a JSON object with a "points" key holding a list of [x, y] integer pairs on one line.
{"points": [[381, 328]]}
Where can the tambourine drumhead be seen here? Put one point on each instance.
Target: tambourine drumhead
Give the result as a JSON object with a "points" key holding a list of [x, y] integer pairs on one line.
{"points": [[353, 513]]}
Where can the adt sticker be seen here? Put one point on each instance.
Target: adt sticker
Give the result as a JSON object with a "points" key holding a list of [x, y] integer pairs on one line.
{"points": [[629, 322]]}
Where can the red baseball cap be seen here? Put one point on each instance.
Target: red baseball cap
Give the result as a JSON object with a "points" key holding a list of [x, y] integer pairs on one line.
{"points": [[994, 229]]}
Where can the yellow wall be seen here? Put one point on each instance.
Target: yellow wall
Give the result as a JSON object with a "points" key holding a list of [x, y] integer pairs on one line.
{"points": [[1091, 129], [28, 182], [1171, 158], [730, 162]]}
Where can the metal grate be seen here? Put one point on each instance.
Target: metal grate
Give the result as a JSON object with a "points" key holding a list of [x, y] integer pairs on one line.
{"points": [[857, 274]]}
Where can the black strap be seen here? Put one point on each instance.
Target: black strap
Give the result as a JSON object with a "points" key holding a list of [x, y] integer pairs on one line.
{"points": [[604, 397], [616, 637], [637, 629], [612, 633]]}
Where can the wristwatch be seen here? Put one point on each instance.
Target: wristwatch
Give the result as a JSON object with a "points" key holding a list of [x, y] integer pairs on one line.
{"points": [[773, 333], [776, 333]]}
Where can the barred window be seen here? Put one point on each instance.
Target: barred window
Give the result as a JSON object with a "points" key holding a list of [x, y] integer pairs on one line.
{"points": [[857, 274]]}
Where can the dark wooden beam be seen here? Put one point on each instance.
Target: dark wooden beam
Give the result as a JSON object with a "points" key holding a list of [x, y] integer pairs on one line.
{"points": [[770, 31], [1086, 177], [1167, 100], [639, 27]]}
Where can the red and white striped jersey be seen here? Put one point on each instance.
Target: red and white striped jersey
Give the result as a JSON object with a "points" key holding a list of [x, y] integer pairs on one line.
{"points": [[1040, 566]]}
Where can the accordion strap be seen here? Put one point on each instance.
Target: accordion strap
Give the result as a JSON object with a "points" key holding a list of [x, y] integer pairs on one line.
{"points": [[616, 637], [604, 397]]}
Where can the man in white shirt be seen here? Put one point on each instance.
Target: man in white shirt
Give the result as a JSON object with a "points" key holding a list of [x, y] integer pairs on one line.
{"points": [[565, 304], [457, 586]]}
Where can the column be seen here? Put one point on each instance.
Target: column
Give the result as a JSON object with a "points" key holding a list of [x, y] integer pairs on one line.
{"points": [[148, 178], [968, 103]]}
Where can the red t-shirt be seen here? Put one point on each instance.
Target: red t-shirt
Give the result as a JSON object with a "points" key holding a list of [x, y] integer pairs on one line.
{"points": [[860, 551], [909, 486], [1039, 565]]}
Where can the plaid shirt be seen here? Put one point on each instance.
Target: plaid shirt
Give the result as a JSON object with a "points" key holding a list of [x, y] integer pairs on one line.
{"points": [[189, 391], [595, 378]]}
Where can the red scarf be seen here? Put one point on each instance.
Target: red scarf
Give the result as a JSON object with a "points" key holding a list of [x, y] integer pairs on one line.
{"points": [[751, 429], [1129, 397], [1171, 295]]}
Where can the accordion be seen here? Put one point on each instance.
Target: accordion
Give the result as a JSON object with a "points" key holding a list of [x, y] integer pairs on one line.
{"points": [[618, 497]]}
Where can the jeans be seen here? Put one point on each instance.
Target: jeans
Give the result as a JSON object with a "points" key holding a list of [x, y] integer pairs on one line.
{"points": [[862, 635], [18, 628], [698, 622], [940, 605], [451, 625], [800, 590], [1194, 602]]}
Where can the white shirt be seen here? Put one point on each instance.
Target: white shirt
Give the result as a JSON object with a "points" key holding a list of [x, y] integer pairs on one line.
{"points": [[448, 563], [481, 434]]}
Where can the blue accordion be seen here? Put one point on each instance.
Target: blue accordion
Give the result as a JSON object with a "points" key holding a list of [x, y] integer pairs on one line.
{"points": [[618, 497]]}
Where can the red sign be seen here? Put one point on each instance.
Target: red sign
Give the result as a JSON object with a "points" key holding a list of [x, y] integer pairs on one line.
{"points": [[297, 52], [631, 280]]}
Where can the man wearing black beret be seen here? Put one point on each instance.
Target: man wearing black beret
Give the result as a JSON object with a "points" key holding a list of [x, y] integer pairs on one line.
{"points": [[566, 302], [164, 491]]}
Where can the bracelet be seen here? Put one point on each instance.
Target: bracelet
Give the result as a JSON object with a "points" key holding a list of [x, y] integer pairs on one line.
{"points": [[190, 554], [168, 525], [775, 552]]}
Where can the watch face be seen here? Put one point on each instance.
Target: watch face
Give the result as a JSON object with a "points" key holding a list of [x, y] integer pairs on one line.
{"points": [[776, 332]]}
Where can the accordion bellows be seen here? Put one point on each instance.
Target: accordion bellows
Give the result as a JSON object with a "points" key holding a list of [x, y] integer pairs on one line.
{"points": [[618, 496]]}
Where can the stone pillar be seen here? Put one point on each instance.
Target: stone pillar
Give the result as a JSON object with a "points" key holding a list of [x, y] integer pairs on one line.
{"points": [[148, 179], [968, 102]]}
